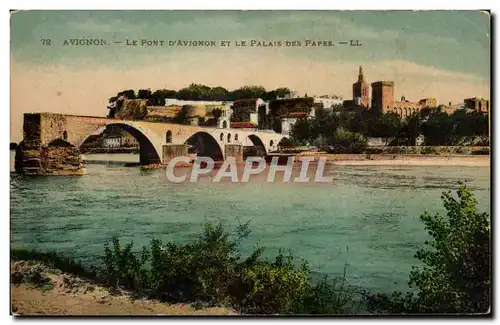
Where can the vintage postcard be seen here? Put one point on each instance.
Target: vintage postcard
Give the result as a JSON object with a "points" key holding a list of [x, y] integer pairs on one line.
{"points": [[250, 162]]}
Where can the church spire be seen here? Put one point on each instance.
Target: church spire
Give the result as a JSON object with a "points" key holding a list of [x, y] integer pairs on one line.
{"points": [[361, 77]]}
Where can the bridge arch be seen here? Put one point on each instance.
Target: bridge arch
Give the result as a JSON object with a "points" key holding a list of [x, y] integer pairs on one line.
{"points": [[258, 144], [206, 145], [148, 152]]}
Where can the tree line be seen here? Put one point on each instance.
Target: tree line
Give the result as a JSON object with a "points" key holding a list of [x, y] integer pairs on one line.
{"points": [[202, 92], [437, 128]]}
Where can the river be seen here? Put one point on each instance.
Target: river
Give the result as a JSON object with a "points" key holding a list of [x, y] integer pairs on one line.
{"points": [[366, 220]]}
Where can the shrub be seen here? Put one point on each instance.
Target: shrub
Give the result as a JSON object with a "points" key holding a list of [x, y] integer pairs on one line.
{"points": [[348, 142], [209, 270], [456, 272], [206, 271], [273, 288], [329, 297]]}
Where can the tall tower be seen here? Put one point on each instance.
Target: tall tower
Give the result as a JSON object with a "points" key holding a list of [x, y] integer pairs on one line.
{"points": [[360, 90], [382, 96]]}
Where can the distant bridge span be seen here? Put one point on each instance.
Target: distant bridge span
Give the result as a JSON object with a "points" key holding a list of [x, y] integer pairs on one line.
{"points": [[158, 141]]}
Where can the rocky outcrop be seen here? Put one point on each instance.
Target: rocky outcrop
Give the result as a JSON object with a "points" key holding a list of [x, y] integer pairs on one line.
{"points": [[129, 109]]}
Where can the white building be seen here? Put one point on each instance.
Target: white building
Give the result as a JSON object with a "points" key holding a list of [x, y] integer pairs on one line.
{"points": [[328, 102], [289, 120], [112, 141], [179, 102]]}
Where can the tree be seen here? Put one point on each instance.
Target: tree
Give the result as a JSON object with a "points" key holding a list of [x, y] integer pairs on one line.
{"points": [[130, 94], [301, 132], [438, 129], [386, 126], [144, 93], [455, 275], [281, 92], [182, 117], [246, 92], [217, 113], [324, 124], [219, 94], [158, 96], [345, 141]]}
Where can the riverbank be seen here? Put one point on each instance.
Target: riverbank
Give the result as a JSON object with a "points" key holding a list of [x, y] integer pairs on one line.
{"points": [[37, 289], [402, 160], [349, 160]]}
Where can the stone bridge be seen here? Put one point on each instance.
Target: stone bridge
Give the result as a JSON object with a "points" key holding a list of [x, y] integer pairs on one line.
{"points": [[51, 141]]}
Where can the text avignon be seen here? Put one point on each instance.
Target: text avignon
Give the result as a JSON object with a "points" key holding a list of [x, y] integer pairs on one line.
{"points": [[85, 42]]}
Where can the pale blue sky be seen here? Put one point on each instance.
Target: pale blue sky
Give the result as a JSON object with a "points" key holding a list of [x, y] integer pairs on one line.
{"points": [[452, 40]]}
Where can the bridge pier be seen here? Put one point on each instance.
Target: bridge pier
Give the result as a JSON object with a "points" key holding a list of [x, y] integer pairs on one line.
{"points": [[234, 150], [171, 151], [44, 149], [56, 159]]}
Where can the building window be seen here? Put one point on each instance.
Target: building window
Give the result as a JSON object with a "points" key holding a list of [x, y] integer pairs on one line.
{"points": [[271, 143], [224, 124], [169, 136], [235, 137], [65, 135], [222, 137], [229, 137]]}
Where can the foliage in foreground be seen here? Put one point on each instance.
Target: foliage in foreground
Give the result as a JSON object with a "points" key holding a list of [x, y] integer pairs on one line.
{"points": [[210, 270], [456, 272], [455, 276]]}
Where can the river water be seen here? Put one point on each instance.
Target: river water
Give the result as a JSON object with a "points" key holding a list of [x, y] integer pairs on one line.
{"points": [[366, 220]]}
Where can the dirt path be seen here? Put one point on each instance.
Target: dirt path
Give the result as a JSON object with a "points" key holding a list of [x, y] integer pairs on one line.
{"points": [[68, 295]]}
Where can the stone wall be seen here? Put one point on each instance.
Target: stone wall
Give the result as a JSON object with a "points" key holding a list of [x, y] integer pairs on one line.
{"points": [[53, 126]]}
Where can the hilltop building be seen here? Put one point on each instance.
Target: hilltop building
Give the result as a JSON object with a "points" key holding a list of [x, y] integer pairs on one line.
{"points": [[450, 109], [288, 120], [180, 102], [477, 104], [327, 102], [383, 101], [247, 110]]}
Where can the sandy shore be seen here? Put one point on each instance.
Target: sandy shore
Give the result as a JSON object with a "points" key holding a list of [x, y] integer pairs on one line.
{"points": [[65, 294]]}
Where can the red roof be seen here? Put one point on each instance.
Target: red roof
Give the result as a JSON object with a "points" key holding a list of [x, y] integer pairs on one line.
{"points": [[242, 125]]}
